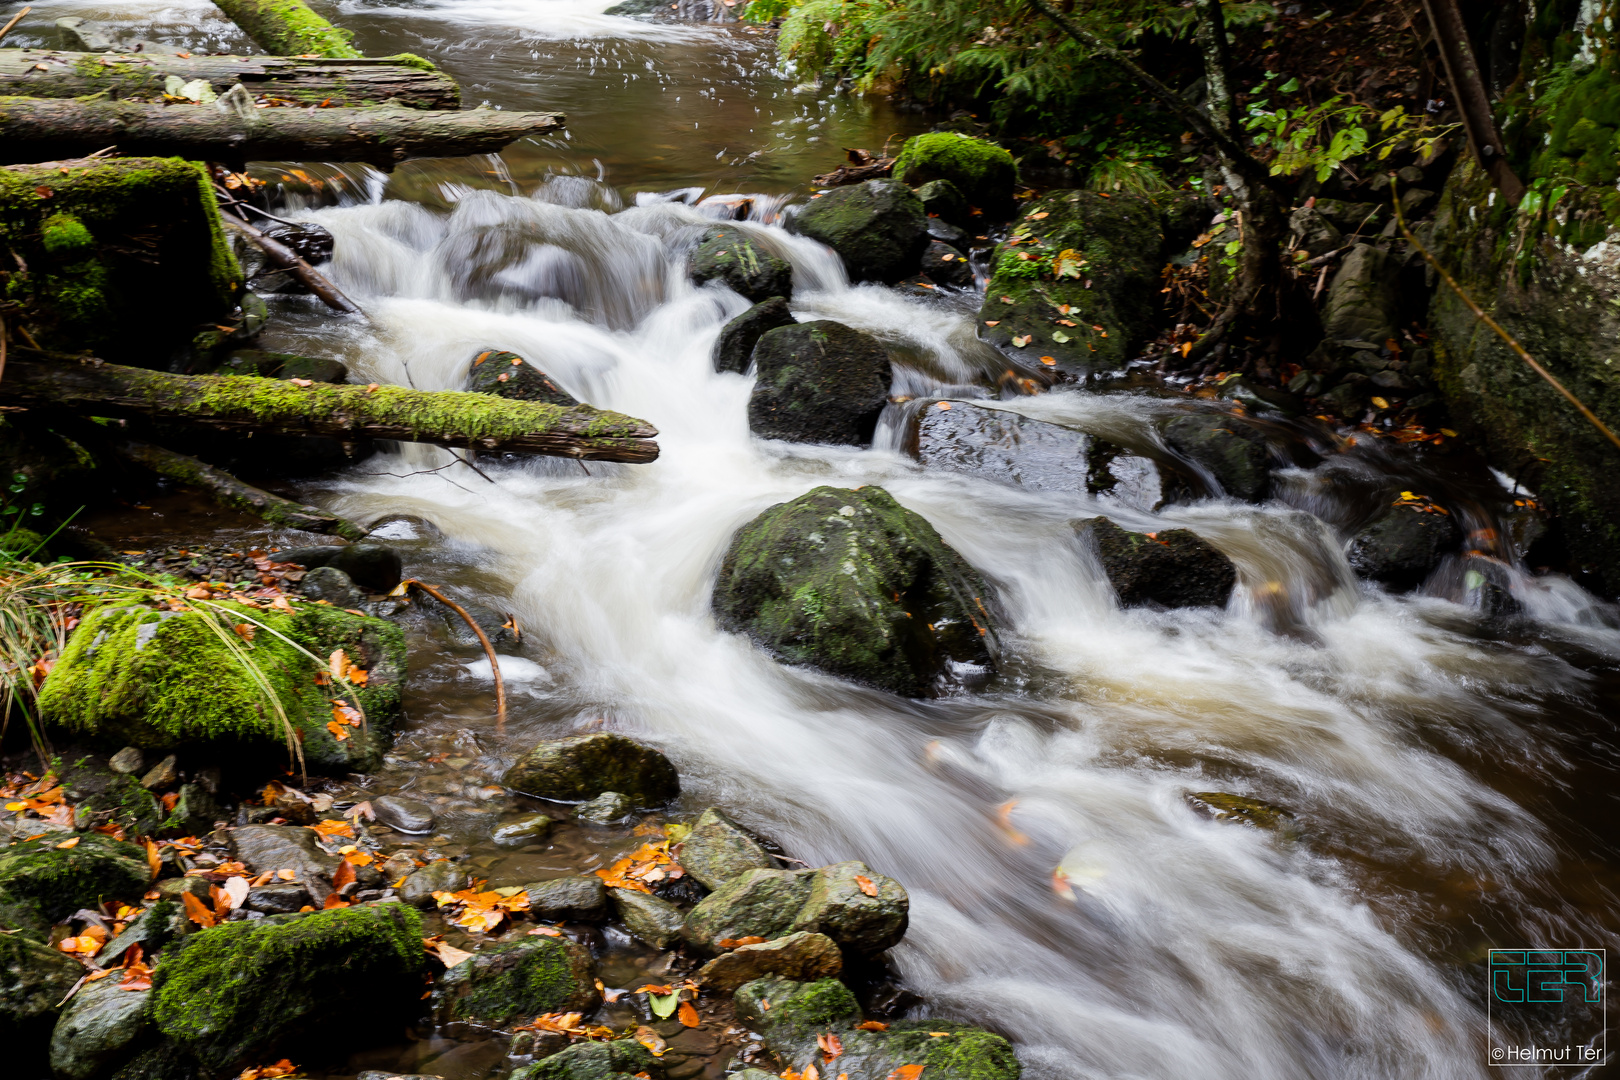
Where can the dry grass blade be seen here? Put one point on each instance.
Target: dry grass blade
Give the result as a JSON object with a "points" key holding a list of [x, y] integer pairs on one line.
{"points": [[483, 639]]}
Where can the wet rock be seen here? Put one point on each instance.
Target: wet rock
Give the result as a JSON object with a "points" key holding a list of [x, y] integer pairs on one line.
{"points": [[1231, 451], [497, 627], [1315, 233], [945, 265], [943, 200], [332, 585], [1089, 309], [278, 899], [374, 567], [594, 1061], [440, 875], [947, 233], [41, 883], [727, 254], [195, 812], [605, 809], [274, 365], [271, 848], [983, 172], [802, 956], [863, 911], [790, 1015], [852, 583], [33, 978], [163, 775], [734, 351], [508, 375], [312, 243], [649, 918], [818, 382], [718, 849], [176, 888], [127, 761], [585, 766], [1403, 547], [520, 979], [1173, 567], [246, 989], [1487, 586], [877, 228], [1363, 302], [152, 929], [582, 899], [1000, 445], [98, 1029], [760, 903], [1239, 810], [524, 829]]}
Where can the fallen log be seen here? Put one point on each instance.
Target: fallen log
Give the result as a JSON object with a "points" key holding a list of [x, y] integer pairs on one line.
{"points": [[236, 494], [289, 28], [401, 81], [248, 403], [39, 129]]}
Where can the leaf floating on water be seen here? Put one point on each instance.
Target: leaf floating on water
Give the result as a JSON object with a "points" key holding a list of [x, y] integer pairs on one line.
{"points": [[865, 884], [687, 1015], [1022, 340], [284, 1067], [1004, 819], [1049, 361]]}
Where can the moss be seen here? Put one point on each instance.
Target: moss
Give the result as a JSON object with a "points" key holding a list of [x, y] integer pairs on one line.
{"points": [[963, 1053], [49, 883], [244, 988], [519, 980], [788, 1012], [594, 1061], [64, 234], [983, 172], [290, 28], [411, 60]]}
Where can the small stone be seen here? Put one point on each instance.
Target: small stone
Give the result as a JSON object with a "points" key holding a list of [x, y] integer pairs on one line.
{"points": [[760, 903], [508, 375], [194, 813], [1238, 810], [127, 761], [942, 199], [945, 265], [585, 766], [605, 809], [583, 899], [862, 910], [273, 848], [278, 899], [374, 567], [165, 774], [1173, 567], [440, 876], [649, 918], [403, 815], [332, 585], [717, 850], [524, 829], [803, 956]]}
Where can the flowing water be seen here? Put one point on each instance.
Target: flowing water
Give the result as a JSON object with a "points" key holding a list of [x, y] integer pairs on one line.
{"points": [[1450, 775]]}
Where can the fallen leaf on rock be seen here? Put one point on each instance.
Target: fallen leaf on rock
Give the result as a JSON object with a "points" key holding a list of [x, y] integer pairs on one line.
{"points": [[236, 890], [197, 911], [831, 1046], [663, 1005], [331, 828], [872, 1025], [739, 942], [343, 876], [69, 843], [334, 901], [649, 1038], [137, 975], [906, 1072], [650, 862], [86, 944], [1022, 340], [569, 1024], [1049, 361], [866, 885], [448, 954], [687, 1015], [482, 912], [545, 931]]}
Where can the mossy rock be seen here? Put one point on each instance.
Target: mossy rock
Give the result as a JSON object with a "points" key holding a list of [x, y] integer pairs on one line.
{"points": [[942, 199], [244, 990], [818, 382], [584, 766], [1240, 810], [508, 375], [734, 349], [1079, 278], [519, 980], [34, 978], [718, 849], [42, 882], [853, 583], [1226, 449], [760, 903], [728, 255], [594, 1061], [983, 172], [133, 676], [1171, 568], [877, 228], [839, 906]]}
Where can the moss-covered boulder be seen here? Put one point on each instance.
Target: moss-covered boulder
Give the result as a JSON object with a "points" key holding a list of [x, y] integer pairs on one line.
{"points": [[982, 171], [34, 978], [595, 1061], [865, 912], [877, 228], [734, 349], [818, 382], [1403, 546], [944, 200], [519, 980], [1225, 449], [508, 375], [42, 881], [124, 255], [584, 766], [1171, 568], [242, 990], [718, 849], [726, 254], [760, 903], [135, 676], [1074, 287], [789, 1016], [853, 583]]}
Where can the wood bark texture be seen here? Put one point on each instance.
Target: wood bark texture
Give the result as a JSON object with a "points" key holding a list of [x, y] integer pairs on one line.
{"points": [[289, 28]]}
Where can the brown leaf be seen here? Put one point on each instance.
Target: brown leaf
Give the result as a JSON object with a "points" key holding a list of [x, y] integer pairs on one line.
{"points": [[866, 885], [739, 942], [343, 876], [831, 1046], [906, 1072], [197, 911], [70, 843], [687, 1015]]}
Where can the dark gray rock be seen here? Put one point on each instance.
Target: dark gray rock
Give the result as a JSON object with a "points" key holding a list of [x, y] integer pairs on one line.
{"points": [[581, 899], [270, 848], [1315, 233], [524, 829], [942, 199], [584, 766], [98, 1029], [274, 365], [508, 375], [440, 875], [278, 899], [1363, 302], [33, 978], [402, 814], [195, 812], [520, 979], [497, 627], [163, 922], [734, 351], [945, 232], [375, 567], [1173, 567], [1231, 451], [945, 265], [818, 382], [877, 228], [839, 906], [760, 903], [1403, 547], [309, 242], [605, 809], [41, 883], [727, 254], [649, 918], [332, 585], [718, 849]]}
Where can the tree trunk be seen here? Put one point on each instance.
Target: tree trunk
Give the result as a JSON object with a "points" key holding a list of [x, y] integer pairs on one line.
{"points": [[1462, 71], [289, 28], [37, 129], [229, 491], [47, 73], [247, 403]]}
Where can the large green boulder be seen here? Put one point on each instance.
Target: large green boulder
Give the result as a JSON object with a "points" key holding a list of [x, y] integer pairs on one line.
{"points": [[982, 171], [34, 978], [1074, 288], [159, 680], [877, 228], [818, 382], [243, 990], [760, 903], [42, 882], [519, 980], [584, 766], [726, 254], [853, 583], [612, 1060]]}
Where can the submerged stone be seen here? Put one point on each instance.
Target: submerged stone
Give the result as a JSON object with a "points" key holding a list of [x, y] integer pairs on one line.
{"points": [[1231, 451], [605, 809], [727, 254], [1172, 567], [524, 829], [1404, 546], [983, 172], [518, 980], [853, 583], [878, 228], [584, 766], [734, 350], [508, 375], [1239, 809], [818, 382], [718, 849]]}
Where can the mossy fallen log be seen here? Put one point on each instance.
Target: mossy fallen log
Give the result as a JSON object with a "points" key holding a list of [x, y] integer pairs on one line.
{"points": [[247, 403], [35, 129], [289, 28], [402, 81]]}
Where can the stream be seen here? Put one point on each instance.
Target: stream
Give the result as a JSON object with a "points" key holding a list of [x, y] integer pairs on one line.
{"points": [[1451, 776]]}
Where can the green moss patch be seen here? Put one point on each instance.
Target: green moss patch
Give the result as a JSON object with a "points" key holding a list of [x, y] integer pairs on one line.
{"points": [[982, 171], [519, 980], [42, 883]]}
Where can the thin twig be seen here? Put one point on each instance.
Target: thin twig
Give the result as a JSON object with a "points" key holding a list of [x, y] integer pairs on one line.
{"points": [[1480, 314], [483, 639], [15, 19]]}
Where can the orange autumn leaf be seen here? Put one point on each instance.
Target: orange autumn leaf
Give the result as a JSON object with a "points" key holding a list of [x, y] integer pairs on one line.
{"points": [[344, 713], [339, 732], [284, 1067], [739, 942], [872, 1025], [334, 901], [648, 863], [360, 858], [154, 861], [866, 885], [197, 911], [906, 1072], [343, 875], [831, 1046], [687, 1015], [245, 631], [331, 828], [1004, 819], [70, 843]]}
